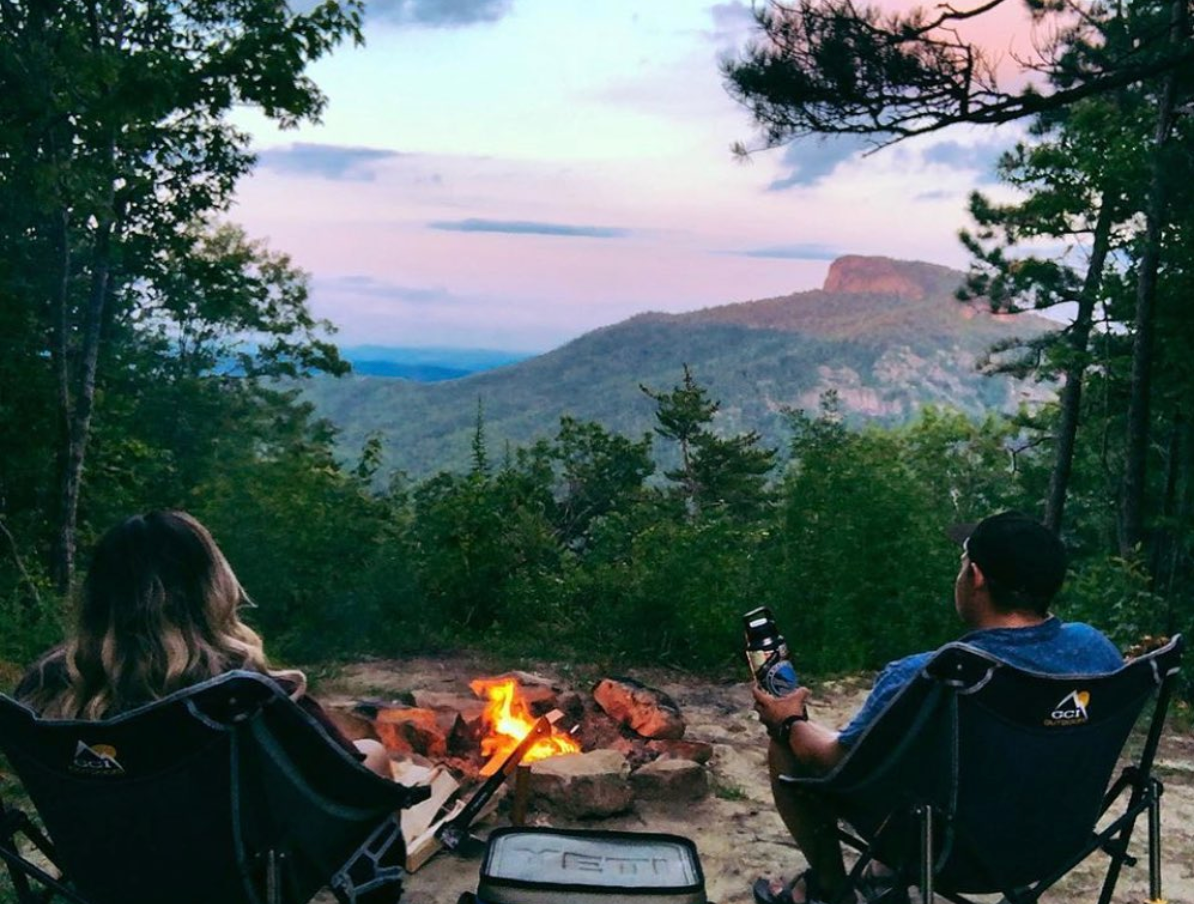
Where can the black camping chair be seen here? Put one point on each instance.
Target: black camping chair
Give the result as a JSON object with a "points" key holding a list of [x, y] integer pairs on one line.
{"points": [[983, 778], [227, 792]]}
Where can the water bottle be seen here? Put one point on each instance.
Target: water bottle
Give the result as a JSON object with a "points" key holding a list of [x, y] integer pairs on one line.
{"points": [[767, 654]]}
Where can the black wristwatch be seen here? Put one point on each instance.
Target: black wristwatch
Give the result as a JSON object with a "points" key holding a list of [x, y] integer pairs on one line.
{"points": [[783, 730]]}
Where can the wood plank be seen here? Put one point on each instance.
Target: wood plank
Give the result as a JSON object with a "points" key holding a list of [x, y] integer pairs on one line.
{"points": [[416, 819]]}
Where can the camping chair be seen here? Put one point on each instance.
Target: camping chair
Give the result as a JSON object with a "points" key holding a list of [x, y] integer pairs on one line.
{"points": [[984, 778], [227, 792]]}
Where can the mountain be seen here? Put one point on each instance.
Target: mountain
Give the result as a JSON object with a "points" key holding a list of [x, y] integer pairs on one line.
{"points": [[889, 336]]}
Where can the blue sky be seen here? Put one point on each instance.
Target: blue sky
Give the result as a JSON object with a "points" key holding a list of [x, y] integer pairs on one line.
{"points": [[512, 173]]}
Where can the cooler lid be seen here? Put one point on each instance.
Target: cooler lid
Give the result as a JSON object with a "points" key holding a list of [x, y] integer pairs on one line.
{"points": [[577, 860]]}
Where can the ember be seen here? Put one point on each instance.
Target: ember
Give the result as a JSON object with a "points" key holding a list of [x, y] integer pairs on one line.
{"points": [[507, 720]]}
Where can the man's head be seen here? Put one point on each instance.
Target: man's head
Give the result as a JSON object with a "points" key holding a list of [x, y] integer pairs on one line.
{"points": [[1019, 561]]}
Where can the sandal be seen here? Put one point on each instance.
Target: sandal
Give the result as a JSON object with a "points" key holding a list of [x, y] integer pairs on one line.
{"points": [[764, 895], [882, 888]]}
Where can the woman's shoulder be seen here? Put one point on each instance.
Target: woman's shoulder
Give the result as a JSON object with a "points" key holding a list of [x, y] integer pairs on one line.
{"points": [[45, 678]]}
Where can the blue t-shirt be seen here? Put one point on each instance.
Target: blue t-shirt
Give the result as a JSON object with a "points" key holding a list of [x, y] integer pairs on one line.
{"points": [[1053, 647]]}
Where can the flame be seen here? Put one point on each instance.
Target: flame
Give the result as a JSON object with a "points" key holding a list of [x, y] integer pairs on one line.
{"points": [[507, 721]]}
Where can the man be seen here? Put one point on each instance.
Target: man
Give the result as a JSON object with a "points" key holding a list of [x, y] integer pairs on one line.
{"points": [[1011, 569]]}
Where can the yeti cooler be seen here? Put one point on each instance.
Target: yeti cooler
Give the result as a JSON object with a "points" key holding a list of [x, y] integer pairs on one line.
{"points": [[561, 866]]}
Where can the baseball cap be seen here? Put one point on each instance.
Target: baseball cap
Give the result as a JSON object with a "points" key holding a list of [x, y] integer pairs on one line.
{"points": [[1016, 552]]}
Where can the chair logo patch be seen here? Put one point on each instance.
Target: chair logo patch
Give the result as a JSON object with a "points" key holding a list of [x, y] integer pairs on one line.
{"points": [[1071, 710], [97, 760]]}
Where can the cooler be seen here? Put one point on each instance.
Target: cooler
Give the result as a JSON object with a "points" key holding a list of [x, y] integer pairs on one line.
{"points": [[567, 866]]}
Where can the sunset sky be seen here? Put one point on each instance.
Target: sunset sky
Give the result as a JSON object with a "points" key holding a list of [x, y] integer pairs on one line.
{"points": [[512, 173]]}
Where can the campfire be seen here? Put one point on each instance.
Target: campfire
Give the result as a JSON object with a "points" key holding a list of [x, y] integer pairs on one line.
{"points": [[627, 741], [507, 720]]}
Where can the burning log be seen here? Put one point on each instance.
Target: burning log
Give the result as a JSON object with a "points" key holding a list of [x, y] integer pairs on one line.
{"points": [[508, 721]]}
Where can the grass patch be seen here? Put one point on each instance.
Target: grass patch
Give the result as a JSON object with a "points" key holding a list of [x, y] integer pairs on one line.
{"points": [[729, 791]]}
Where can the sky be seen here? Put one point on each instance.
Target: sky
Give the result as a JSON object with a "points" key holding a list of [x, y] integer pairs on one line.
{"points": [[510, 174]]}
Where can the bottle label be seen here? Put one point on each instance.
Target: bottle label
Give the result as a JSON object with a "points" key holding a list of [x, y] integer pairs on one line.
{"points": [[773, 672], [780, 679]]}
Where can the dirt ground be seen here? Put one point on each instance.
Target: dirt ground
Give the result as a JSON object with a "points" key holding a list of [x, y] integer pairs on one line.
{"points": [[736, 830]]}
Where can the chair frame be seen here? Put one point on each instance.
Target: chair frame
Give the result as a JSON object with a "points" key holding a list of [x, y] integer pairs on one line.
{"points": [[366, 873], [1136, 779]]}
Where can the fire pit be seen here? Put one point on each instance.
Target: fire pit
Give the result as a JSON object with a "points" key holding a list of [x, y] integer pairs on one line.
{"points": [[621, 741]]}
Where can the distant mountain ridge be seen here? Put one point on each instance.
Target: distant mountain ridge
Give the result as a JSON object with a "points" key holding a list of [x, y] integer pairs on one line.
{"points": [[425, 364], [888, 336]]}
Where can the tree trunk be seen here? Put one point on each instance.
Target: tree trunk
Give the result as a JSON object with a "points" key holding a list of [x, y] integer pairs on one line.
{"points": [[1165, 535], [79, 416], [1075, 373], [62, 562], [1131, 520]]}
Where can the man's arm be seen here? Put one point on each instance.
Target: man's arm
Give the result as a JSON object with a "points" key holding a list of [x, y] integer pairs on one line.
{"points": [[813, 745]]}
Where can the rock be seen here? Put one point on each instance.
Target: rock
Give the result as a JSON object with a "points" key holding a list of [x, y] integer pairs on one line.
{"points": [[667, 779], [697, 751], [582, 785], [538, 693], [467, 707], [411, 730], [353, 725], [650, 712]]}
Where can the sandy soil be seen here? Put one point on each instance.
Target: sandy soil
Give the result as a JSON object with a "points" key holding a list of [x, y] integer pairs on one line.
{"points": [[736, 830]]}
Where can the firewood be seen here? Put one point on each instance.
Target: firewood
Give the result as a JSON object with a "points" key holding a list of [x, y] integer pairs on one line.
{"points": [[428, 844], [416, 819]]}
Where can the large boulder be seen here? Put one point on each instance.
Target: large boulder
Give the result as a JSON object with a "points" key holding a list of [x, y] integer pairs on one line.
{"points": [[670, 749], [405, 729], [649, 712], [671, 780], [582, 785]]}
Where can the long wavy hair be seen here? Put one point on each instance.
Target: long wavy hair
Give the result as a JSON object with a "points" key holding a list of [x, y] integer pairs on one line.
{"points": [[159, 611]]}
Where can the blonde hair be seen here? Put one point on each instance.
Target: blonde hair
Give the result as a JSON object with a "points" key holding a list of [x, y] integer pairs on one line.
{"points": [[158, 613]]}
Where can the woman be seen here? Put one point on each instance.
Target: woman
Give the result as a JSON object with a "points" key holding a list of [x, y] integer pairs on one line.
{"points": [[159, 612]]}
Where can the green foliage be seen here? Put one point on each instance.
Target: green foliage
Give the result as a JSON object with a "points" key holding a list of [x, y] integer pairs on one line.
{"points": [[598, 473], [1116, 593], [726, 473], [567, 550], [32, 617], [865, 571], [117, 156], [318, 553]]}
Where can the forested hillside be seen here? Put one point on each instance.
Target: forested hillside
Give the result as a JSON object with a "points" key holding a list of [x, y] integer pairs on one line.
{"points": [[888, 337]]}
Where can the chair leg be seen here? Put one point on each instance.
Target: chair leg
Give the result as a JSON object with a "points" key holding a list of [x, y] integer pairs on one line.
{"points": [[21, 870], [1119, 845], [926, 854], [273, 878], [1154, 841]]}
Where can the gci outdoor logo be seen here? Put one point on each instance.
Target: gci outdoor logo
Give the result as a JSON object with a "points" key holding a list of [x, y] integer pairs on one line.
{"points": [[1071, 710], [99, 759]]}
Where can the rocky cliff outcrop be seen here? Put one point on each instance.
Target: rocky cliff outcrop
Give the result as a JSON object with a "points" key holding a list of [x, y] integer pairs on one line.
{"points": [[884, 276]]}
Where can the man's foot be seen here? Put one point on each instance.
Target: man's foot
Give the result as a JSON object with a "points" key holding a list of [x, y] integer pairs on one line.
{"points": [[801, 890], [879, 884]]}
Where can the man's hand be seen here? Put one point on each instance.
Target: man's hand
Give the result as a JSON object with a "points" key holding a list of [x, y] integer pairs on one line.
{"points": [[773, 710]]}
